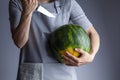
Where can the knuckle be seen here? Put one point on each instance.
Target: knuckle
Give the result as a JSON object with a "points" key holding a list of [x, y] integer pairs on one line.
{"points": [[78, 64], [78, 61], [90, 61]]}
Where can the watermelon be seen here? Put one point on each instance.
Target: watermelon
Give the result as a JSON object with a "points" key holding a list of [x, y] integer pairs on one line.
{"points": [[67, 38]]}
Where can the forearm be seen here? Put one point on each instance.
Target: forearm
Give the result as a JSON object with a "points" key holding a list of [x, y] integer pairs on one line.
{"points": [[95, 41], [21, 33], [85, 57]]}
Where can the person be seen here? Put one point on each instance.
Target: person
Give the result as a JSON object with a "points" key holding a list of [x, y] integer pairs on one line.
{"points": [[30, 31]]}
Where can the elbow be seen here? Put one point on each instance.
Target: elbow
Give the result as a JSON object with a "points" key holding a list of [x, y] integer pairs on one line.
{"points": [[19, 43], [95, 34], [92, 32], [19, 46], [18, 39]]}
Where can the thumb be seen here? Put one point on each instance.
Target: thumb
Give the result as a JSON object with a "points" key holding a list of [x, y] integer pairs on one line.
{"points": [[81, 51]]}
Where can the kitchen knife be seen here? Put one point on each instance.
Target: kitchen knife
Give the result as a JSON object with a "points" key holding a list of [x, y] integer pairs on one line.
{"points": [[45, 12]]}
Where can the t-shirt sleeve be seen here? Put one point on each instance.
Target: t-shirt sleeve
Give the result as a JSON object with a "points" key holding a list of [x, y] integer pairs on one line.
{"points": [[77, 15], [14, 14]]}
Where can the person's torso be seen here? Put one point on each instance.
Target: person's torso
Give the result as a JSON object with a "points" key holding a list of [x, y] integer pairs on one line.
{"points": [[37, 50], [37, 47]]}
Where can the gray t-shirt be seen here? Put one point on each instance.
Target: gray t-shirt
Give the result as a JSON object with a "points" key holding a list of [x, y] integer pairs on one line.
{"points": [[36, 50]]}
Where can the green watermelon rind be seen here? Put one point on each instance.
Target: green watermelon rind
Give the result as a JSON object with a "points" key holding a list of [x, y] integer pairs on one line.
{"points": [[59, 44]]}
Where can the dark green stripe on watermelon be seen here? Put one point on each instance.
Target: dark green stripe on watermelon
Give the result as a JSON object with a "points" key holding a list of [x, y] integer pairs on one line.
{"points": [[69, 35]]}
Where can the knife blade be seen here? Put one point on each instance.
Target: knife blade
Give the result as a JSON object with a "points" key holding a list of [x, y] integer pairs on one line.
{"points": [[45, 12]]}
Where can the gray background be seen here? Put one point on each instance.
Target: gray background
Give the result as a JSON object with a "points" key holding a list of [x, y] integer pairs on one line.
{"points": [[104, 14]]}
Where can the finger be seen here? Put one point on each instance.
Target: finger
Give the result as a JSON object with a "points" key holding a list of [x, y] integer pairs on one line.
{"points": [[36, 1], [33, 1], [78, 64], [28, 1], [68, 60], [81, 51], [75, 59], [64, 61]]}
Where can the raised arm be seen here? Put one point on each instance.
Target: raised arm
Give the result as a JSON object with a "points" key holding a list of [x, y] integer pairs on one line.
{"points": [[21, 32]]}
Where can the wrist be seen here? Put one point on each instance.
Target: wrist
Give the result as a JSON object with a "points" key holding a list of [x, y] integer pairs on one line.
{"points": [[26, 13]]}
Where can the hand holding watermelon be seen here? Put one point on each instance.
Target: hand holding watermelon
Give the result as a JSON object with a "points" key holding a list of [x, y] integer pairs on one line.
{"points": [[67, 38], [74, 46], [71, 60]]}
